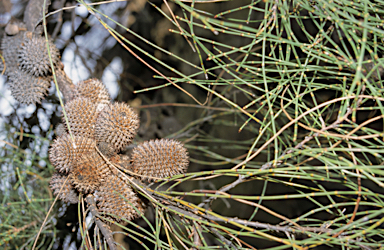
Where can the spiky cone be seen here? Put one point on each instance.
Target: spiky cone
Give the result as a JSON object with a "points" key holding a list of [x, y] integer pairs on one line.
{"points": [[117, 124], [64, 152], [94, 90], [88, 172], [33, 56], [159, 159], [114, 196], [67, 193], [9, 46], [81, 114], [26, 88]]}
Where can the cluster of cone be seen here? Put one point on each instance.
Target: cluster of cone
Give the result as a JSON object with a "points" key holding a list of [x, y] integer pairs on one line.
{"points": [[27, 63], [101, 129]]}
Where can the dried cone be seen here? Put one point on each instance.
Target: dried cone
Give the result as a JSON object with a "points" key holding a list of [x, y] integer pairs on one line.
{"points": [[116, 197], [9, 46], [26, 88], [81, 114], [159, 158], [67, 193], [33, 55], [89, 170], [94, 90], [64, 153], [117, 124]]}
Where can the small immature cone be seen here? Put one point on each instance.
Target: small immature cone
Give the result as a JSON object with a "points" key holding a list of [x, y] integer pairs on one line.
{"points": [[68, 193], [81, 113], [64, 152], [95, 91], [159, 158], [114, 197], [117, 124]]}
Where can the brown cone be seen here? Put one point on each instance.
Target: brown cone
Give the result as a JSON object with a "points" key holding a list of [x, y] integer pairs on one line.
{"points": [[89, 170], [159, 158], [116, 197], [64, 153], [81, 113], [94, 90], [117, 124]]}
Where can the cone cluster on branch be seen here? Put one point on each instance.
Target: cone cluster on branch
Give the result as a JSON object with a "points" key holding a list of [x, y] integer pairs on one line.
{"points": [[100, 131], [94, 130], [27, 62]]}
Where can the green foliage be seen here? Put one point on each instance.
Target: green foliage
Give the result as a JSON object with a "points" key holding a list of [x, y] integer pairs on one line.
{"points": [[285, 130], [25, 194]]}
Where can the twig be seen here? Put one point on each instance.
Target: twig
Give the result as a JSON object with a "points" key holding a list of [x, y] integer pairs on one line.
{"points": [[270, 227], [222, 238], [338, 142], [182, 210], [137, 56], [196, 237], [223, 189], [59, 19], [104, 229]]}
